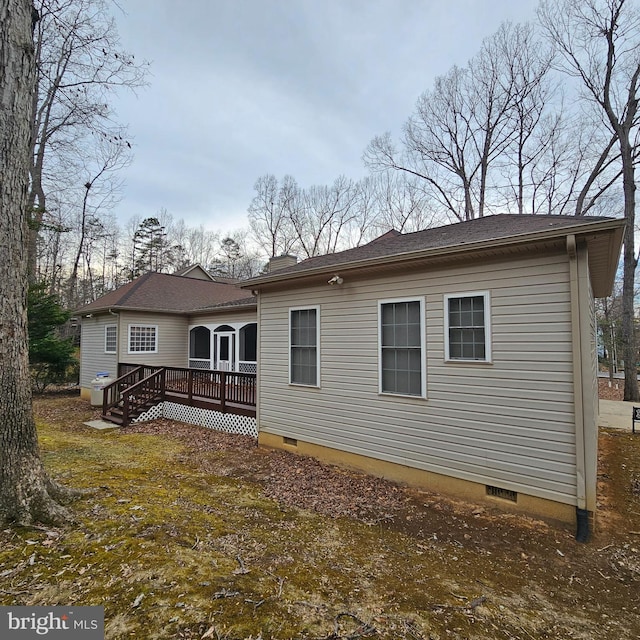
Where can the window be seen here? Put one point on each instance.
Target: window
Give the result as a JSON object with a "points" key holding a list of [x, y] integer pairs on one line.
{"points": [[467, 327], [401, 338], [304, 330], [110, 338], [143, 339]]}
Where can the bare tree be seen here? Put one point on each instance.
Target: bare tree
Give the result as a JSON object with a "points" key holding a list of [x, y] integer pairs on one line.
{"points": [[477, 125], [235, 260], [526, 79], [364, 224], [100, 192], [270, 213], [27, 494], [199, 245], [79, 62], [102, 244], [322, 220], [599, 45], [608, 315], [401, 203], [440, 145], [53, 246]]}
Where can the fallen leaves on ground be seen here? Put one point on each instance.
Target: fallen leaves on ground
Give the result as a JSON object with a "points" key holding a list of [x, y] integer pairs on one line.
{"points": [[193, 532]]}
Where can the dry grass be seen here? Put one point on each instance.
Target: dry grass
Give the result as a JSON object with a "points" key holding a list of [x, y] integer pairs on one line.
{"points": [[191, 534]]}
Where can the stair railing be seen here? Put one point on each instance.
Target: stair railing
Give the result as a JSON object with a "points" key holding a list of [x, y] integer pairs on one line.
{"points": [[112, 393], [143, 395]]}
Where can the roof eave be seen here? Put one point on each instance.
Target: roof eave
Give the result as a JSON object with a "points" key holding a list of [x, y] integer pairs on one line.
{"points": [[452, 250], [182, 312], [224, 307], [117, 309], [604, 248]]}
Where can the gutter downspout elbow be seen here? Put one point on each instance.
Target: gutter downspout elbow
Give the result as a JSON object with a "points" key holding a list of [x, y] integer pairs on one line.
{"points": [[582, 525]]}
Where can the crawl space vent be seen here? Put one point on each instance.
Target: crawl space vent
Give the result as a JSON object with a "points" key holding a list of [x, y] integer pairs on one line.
{"points": [[504, 494]]}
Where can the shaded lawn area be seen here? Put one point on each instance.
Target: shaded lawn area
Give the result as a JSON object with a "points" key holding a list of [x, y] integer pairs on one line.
{"points": [[194, 534]]}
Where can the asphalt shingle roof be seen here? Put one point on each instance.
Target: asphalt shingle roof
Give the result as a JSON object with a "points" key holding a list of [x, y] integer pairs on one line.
{"points": [[454, 236], [168, 292]]}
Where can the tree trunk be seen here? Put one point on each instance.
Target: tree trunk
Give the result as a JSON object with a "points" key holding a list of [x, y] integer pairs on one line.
{"points": [[26, 493], [630, 351]]}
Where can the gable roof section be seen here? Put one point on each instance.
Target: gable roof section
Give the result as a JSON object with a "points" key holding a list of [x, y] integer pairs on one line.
{"points": [[199, 272], [491, 234], [163, 292], [194, 271]]}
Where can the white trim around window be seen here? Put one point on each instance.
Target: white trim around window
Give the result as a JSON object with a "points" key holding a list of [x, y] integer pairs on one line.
{"points": [[401, 347], [111, 338], [304, 346], [467, 327], [142, 338]]}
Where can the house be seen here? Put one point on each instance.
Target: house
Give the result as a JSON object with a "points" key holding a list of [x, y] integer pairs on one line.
{"points": [[184, 320], [460, 359]]}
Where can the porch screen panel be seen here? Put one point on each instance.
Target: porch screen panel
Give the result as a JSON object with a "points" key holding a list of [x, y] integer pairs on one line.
{"points": [[304, 347], [249, 342], [200, 343], [401, 348], [224, 348]]}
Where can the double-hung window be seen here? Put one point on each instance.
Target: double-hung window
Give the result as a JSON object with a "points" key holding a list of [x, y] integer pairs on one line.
{"points": [[467, 327], [143, 338], [111, 338], [401, 351], [304, 333]]}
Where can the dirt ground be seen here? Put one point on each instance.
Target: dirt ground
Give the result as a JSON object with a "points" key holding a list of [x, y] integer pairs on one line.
{"points": [[610, 391], [389, 561]]}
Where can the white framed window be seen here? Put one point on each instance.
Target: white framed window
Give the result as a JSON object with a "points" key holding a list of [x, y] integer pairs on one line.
{"points": [[111, 338], [467, 322], [304, 346], [143, 338], [401, 338]]}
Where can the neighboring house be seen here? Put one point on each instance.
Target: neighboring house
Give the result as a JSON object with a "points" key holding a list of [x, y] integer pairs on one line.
{"points": [[460, 359], [186, 320]]}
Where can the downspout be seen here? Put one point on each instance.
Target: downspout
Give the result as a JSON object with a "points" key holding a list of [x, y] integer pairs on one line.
{"points": [[258, 364], [117, 315], [582, 515]]}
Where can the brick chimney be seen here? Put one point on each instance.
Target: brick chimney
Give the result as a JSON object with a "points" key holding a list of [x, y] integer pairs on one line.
{"points": [[280, 262]]}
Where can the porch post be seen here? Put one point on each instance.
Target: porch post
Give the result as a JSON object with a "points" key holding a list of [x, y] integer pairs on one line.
{"points": [[223, 391]]}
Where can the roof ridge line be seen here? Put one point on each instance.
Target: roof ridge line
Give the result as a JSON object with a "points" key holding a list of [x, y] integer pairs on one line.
{"points": [[143, 278]]}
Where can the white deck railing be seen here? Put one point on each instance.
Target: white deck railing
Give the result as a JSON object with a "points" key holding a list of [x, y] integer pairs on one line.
{"points": [[244, 366]]}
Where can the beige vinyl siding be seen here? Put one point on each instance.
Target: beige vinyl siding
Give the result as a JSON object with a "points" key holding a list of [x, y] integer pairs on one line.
{"points": [[172, 339], [227, 317], [92, 355], [509, 423]]}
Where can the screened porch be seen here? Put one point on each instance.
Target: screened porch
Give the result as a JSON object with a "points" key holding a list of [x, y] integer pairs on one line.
{"points": [[224, 347]]}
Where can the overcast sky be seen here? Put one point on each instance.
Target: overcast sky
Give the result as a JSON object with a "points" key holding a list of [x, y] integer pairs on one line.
{"points": [[242, 88]]}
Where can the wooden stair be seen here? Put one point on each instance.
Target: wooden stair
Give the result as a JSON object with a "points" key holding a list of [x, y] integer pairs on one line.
{"points": [[116, 414], [141, 387], [131, 395]]}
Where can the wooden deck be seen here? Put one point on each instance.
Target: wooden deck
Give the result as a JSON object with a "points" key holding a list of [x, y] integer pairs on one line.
{"points": [[139, 387]]}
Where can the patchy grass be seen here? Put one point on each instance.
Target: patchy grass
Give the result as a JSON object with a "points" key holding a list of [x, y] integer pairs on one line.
{"points": [[193, 535]]}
